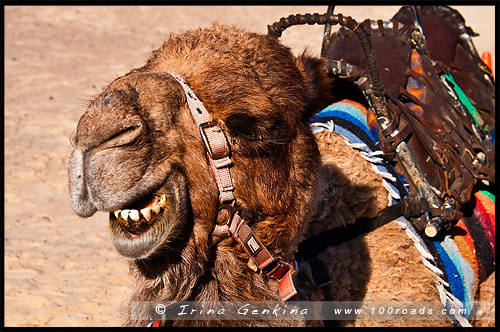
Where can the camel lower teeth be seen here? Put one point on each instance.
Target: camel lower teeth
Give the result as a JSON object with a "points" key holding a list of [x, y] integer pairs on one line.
{"points": [[134, 215], [124, 214], [146, 213]]}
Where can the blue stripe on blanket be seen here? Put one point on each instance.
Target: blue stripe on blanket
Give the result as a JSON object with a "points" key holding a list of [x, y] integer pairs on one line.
{"points": [[460, 274], [354, 118]]}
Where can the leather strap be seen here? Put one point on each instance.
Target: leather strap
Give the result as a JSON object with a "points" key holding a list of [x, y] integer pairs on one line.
{"points": [[271, 266], [218, 152], [410, 206], [243, 235], [216, 144]]}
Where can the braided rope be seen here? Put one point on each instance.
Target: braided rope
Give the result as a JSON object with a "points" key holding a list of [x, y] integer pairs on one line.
{"points": [[284, 23]]}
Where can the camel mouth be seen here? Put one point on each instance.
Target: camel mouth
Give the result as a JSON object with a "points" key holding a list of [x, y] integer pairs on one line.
{"points": [[140, 216], [150, 223]]}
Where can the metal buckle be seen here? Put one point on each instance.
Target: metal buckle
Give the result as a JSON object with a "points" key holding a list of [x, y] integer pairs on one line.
{"points": [[272, 267], [207, 144], [229, 207], [277, 263]]}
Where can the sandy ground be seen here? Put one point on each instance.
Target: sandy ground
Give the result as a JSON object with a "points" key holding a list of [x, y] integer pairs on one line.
{"points": [[62, 270]]}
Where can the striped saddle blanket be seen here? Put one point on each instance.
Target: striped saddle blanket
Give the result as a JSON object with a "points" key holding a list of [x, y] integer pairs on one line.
{"points": [[461, 257]]}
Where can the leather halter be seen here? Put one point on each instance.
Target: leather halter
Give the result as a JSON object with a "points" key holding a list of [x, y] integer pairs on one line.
{"points": [[218, 152]]}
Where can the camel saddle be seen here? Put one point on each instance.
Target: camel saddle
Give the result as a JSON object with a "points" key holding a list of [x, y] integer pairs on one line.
{"points": [[440, 98]]}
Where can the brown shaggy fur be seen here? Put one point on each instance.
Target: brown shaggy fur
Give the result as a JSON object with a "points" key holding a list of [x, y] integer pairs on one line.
{"points": [[138, 138]]}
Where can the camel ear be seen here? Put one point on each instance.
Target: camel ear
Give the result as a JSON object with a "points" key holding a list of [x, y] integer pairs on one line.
{"points": [[318, 84]]}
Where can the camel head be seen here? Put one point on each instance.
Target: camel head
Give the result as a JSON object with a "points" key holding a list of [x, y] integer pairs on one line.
{"points": [[138, 154]]}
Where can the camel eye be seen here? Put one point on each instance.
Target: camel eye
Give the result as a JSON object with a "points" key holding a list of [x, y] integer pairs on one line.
{"points": [[241, 124]]}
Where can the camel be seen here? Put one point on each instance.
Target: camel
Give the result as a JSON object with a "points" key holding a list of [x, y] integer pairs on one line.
{"points": [[139, 156]]}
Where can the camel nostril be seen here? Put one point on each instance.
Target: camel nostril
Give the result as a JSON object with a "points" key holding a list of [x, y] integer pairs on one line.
{"points": [[95, 132], [128, 134]]}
